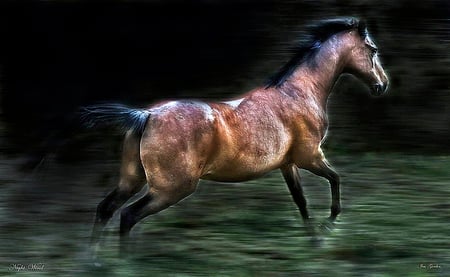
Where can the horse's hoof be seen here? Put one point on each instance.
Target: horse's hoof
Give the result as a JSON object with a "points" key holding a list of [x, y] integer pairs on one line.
{"points": [[96, 263], [327, 226], [316, 241], [332, 218]]}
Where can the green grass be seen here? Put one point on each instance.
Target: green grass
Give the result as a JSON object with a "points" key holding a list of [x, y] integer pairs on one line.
{"points": [[395, 222]]}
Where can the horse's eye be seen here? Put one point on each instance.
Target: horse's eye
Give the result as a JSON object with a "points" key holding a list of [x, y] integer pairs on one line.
{"points": [[373, 50]]}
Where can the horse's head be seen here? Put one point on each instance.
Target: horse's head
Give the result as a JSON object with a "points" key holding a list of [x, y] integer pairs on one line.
{"points": [[364, 62]]}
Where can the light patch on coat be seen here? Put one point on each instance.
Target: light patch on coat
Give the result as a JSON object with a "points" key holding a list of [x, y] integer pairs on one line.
{"points": [[234, 103]]}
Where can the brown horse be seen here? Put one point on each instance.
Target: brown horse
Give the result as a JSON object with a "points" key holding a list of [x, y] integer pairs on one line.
{"points": [[172, 145]]}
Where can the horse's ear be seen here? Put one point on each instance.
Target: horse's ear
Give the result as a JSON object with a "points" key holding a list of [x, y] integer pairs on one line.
{"points": [[352, 22], [362, 28]]}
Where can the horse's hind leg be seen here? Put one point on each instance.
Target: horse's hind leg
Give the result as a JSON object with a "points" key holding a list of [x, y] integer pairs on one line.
{"points": [[159, 197], [132, 179]]}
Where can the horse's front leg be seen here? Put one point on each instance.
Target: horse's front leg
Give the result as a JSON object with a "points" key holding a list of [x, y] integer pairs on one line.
{"points": [[321, 167], [292, 178]]}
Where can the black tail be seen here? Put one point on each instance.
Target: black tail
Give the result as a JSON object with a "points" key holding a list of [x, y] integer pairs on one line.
{"points": [[115, 115]]}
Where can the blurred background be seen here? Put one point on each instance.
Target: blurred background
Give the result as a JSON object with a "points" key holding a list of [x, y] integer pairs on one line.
{"points": [[392, 153]]}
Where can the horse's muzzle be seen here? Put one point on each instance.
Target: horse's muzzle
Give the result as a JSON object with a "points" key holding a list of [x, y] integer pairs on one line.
{"points": [[379, 89]]}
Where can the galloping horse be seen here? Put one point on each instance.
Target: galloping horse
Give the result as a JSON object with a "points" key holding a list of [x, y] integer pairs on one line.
{"points": [[172, 145]]}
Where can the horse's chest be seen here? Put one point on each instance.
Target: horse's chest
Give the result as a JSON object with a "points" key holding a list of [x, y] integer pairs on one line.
{"points": [[311, 127]]}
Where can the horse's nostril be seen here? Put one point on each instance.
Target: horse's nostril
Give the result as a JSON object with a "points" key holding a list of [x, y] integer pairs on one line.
{"points": [[379, 88], [382, 88]]}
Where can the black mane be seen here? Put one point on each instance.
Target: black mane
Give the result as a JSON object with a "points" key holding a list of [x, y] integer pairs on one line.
{"points": [[318, 33]]}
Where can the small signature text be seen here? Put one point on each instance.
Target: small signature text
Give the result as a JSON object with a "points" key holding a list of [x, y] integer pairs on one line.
{"points": [[430, 266], [17, 267]]}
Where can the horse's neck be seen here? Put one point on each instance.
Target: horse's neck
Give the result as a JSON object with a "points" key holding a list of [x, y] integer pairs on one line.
{"points": [[319, 80]]}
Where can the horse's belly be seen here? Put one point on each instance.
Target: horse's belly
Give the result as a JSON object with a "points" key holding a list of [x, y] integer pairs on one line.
{"points": [[235, 177], [240, 170]]}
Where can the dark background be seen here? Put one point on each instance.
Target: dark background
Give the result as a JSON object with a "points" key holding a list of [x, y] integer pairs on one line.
{"points": [[56, 56], [391, 152]]}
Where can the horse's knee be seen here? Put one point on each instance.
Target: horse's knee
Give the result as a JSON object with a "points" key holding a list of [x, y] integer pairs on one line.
{"points": [[104, 212], [126, 188], [107, 207], [131, 215], [321, 167], [160, 196]]}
